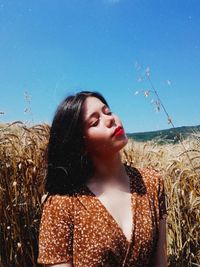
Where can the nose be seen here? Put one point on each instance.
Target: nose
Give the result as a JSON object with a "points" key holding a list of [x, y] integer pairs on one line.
{"points": [[110, 120]]}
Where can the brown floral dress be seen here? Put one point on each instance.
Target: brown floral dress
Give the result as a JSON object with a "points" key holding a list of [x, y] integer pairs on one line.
{"points": [[79, 227]]}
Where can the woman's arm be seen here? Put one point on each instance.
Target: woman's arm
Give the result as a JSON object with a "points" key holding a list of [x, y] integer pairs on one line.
{"points": [[161, 251], [68, 264], [56, 232]]}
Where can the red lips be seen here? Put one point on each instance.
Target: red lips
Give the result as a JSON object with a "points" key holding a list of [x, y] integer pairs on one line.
{"points": [[116, 130]]}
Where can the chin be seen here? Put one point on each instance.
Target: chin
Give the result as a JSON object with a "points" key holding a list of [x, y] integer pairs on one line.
{"points": [[123, 143]]}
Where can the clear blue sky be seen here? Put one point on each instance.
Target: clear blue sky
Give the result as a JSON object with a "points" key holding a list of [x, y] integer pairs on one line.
{"points": [[52, 48]]}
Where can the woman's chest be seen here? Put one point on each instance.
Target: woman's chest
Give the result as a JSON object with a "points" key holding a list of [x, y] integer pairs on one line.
{"points": [[118, 205], [114, 227]]}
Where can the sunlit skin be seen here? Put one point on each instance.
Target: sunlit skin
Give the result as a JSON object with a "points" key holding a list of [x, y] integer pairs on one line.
{"points": [[101, 146], [99, 128], [103, 149]]}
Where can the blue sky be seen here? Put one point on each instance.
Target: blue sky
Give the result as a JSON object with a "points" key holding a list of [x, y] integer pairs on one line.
{"points": [[53, 48]]}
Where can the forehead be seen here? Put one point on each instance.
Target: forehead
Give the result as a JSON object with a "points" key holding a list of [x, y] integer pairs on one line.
{"points": [[90, 105]]}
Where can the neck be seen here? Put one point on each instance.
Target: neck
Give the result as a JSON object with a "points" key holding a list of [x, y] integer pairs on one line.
{"points": [[109, 170]]}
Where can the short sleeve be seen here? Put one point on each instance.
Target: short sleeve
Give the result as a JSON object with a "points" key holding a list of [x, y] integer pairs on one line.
{"points": [[56, 230], [161, 198]]}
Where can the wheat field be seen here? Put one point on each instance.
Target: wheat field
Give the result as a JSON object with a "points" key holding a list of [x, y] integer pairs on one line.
{"points": [[23, 159]]}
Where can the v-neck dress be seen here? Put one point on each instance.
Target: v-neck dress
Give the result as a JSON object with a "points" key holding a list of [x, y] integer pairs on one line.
{"points": [[79, 228]]}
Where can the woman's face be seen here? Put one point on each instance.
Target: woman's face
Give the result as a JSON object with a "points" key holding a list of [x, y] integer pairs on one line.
{"points": [[99, 126]]}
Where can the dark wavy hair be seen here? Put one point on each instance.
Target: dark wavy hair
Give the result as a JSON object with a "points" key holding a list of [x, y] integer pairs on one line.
{"points": [[68, 167]]}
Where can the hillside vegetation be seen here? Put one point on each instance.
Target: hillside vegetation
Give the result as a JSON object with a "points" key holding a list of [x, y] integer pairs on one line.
{"points": [[165, 136]]}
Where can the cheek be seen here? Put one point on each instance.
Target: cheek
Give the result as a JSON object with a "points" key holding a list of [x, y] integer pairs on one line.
{"points": [[95, 136], [98, 140]]}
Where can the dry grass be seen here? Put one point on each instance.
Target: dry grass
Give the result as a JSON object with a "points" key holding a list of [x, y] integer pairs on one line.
{"points": [[22, 172]]}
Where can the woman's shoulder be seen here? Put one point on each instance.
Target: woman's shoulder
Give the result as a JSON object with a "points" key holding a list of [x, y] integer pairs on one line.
{"points": [[57, 204], [154, 183], [57, 199], [150, 173], [152, 178]]}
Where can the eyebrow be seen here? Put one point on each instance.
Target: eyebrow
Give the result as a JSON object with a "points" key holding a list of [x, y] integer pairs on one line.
{"points": [[103, 107]]}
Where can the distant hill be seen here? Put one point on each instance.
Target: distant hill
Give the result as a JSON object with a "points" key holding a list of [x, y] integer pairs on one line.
{"points": [[166, 135], [161, 136]]}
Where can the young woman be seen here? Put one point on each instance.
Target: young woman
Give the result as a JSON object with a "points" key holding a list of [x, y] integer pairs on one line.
{"points": [[99, 211]]}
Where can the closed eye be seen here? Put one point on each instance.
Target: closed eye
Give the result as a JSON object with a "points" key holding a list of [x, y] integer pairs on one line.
{"points": [[94, 124]]}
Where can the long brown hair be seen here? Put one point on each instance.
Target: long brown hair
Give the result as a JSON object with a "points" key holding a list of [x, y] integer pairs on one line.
{"points": [[68, 168]]}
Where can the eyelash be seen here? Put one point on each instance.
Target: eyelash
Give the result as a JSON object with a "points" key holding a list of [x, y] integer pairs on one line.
{"points": [[94, 124]]}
